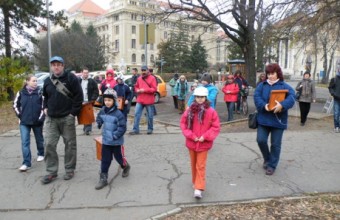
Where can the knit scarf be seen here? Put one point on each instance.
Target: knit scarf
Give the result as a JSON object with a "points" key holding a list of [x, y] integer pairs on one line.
{"points": [[30, 89], [197, 108]]}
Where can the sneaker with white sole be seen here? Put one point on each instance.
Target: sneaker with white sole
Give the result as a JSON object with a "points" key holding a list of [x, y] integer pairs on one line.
{"points": [[198, 194], [40, 158], [337, 130], [24, 168]]}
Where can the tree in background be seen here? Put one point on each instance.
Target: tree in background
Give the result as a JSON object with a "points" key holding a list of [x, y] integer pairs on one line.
{"points": [[234, 51], [198, 56], [18, 15], [76, 47]]}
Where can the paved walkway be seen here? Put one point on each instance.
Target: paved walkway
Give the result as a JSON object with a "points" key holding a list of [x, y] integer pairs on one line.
{"points": [[160, 178]]}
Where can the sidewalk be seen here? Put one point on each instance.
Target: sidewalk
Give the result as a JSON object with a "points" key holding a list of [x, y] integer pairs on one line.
{"points": [[160, 178]]}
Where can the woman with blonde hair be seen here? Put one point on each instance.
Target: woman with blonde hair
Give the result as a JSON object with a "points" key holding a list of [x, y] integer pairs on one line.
{"points": [[181, 91], [28, 106]]}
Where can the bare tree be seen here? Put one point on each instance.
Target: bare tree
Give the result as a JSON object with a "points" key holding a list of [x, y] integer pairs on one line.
{"points": [[235, 17]]}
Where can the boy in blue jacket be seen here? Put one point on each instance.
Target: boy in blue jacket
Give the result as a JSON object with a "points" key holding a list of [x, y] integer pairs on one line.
{"points": [[114, 128]]}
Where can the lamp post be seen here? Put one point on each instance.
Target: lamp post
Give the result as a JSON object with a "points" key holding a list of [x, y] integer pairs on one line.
{"points": [[48, 34]]}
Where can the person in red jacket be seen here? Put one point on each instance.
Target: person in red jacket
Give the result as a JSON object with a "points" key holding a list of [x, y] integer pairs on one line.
{"points": [[200, 126], [109, 81], [230, 91], [145, 87]]}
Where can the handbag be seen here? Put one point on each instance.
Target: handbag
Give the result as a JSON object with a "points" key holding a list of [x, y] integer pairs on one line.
{"points": [[252, 120]]}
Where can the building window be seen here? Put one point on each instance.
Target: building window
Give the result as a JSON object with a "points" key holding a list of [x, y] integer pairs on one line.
{"points": [[152, 58], [133, 43], [133, 3], [218, 51], [117, 29], [116, 18], [116, 45], [192, 37], [133, 29], [134, 17], [142, 4], [152, 6], [133, 58], [165, 35], [151, 46], [143, 58]]}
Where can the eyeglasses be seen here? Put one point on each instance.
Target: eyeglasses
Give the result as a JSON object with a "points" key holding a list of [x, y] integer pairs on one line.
{"points": [[200, 97]]}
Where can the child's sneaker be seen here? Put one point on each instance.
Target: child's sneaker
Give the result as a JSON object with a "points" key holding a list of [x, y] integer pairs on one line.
{"points": [[40, 158], [198, 194]]}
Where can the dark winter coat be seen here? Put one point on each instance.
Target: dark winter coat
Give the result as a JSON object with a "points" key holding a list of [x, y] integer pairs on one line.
{"points": [[92, 89], [57, 104], [29, 107], [334, 87]]}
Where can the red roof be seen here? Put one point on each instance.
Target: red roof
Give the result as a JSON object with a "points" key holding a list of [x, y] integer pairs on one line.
{"points": [[88, 8]]}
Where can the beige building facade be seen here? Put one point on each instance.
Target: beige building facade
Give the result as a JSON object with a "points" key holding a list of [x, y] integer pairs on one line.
{"points": [[119, 28]]}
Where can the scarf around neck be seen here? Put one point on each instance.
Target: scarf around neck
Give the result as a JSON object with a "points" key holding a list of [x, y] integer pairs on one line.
{"points": [[197, 108]]}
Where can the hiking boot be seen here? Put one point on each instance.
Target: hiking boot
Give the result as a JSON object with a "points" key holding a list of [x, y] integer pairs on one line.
{"points": [[48, 178], [102, 181], [126, 170], [69, 175]]}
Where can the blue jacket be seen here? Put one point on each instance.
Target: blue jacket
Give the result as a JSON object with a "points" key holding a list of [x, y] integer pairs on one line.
{"points": [[114, 125], [178, 88], [261, 98], [29, 107], [212, 95]]}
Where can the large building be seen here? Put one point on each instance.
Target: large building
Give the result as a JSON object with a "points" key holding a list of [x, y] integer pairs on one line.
{"points": [[121, 29]]}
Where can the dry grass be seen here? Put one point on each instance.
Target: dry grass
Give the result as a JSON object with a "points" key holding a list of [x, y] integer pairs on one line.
{"points": [[324, 206], [8, 119]]}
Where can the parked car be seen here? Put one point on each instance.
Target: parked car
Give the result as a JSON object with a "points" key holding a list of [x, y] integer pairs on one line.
{"points": [[42, 78], [161, 88]]}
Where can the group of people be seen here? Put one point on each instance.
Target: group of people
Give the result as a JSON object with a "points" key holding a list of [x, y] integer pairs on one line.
{"points": [[61, 99]]}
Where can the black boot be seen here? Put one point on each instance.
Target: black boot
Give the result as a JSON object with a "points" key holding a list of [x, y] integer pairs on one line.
{"points": [[102, 181], [126, 170]]}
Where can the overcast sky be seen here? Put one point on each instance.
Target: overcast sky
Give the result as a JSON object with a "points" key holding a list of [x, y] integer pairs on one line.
{"points": [[58, 5]]}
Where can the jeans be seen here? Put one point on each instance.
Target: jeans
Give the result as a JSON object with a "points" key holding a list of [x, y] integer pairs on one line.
{"points": [[230, 107], [271, 156], [138, 113], [25, 132], [336, 109]]}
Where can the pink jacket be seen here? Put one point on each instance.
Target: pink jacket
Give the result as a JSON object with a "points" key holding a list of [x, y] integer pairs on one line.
{"points": [[209, 129], [233, 89], [150, 87]]}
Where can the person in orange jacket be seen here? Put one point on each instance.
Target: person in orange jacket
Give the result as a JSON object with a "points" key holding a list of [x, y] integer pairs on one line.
{"points": [[230, 91], [200, 126]]}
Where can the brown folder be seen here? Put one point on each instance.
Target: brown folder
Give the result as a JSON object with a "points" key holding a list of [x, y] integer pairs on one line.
{"points": [[278, 95]]}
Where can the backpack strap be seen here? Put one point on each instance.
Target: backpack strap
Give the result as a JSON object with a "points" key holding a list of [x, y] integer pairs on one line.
{"points": [[61, 88]]}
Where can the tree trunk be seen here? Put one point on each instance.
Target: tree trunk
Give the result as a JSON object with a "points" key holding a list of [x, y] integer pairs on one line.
{"points": [[7, 32], [325, 61]]}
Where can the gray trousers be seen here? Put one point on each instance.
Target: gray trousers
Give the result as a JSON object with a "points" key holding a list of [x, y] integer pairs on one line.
{"points": [[54, 128]]}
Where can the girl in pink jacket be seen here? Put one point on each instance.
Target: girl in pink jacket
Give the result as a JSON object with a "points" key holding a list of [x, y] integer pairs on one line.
{"points": [[200, 126], [230, 91]]}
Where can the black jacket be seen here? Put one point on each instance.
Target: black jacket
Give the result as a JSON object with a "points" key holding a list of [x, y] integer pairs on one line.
{"points": [[56, 103], [92, 89], [29, 107], [334, 87]]}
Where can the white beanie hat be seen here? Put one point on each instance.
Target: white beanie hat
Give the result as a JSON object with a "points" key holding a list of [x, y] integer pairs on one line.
{"points": [[201, 91], [110, 93]]}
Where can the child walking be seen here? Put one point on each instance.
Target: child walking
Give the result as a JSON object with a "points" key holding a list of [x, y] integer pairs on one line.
{"points": [[200, 126], [114, 127], [230, 91]]}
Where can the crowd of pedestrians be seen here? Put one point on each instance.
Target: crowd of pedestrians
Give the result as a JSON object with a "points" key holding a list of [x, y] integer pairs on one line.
{"points": [[63, 96]]}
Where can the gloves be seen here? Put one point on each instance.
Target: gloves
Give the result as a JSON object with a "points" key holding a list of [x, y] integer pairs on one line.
{"points": [[99, 126]]}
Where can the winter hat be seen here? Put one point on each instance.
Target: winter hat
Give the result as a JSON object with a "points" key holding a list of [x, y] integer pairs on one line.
{"points": [[201, 91], [110, 93], [207, 78]]}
